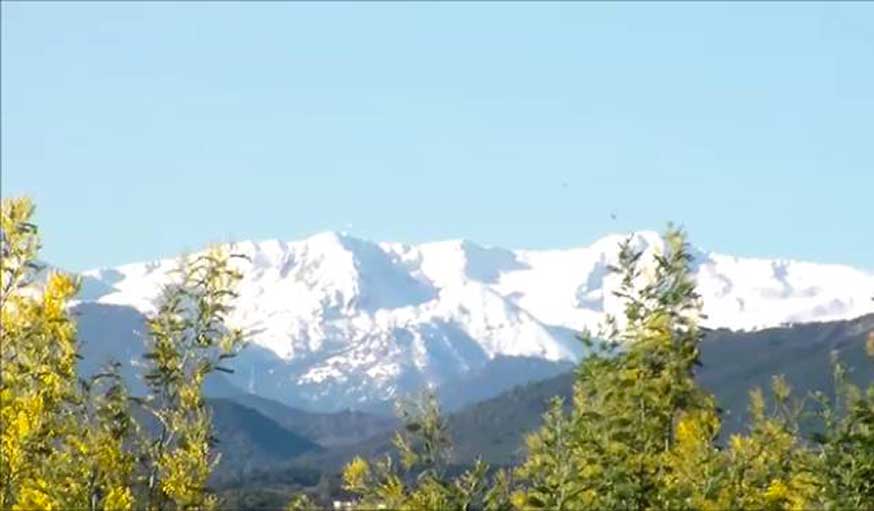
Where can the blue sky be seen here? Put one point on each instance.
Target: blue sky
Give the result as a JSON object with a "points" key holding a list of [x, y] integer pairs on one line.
{"points": [[146, 129]]}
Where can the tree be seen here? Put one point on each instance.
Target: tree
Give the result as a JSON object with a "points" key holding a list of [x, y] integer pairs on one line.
{"points": [[70, 444], [421, 483], [845, 462], [188, 340], [618, 447], [51, 455], [642, 435]]}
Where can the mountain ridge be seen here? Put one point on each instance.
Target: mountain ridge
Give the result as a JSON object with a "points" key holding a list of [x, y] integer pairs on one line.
{"points": [[340, 322]]}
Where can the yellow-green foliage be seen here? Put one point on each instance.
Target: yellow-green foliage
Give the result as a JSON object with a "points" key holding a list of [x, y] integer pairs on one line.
{"points": [[845, 462], [420, 483], [51, 456], [67, 444], [188, 340], [615, 449], [642, 435]]}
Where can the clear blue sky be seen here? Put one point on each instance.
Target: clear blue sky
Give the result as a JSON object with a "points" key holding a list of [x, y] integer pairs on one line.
{"points": [[146, 129]]}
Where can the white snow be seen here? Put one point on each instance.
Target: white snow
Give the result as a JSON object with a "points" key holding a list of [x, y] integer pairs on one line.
{"points": [[353, 320]]}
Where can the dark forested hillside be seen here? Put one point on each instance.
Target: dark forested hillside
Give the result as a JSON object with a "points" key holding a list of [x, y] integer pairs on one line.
{"points": [[734, 362], [326, 429], [248, 440]]}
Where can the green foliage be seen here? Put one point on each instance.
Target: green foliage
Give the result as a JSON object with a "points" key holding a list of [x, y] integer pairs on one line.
{"points": [[614, 449], [642, 435], [300, 503], [188, 341], [552, 473], [846, 459], [420, 482], [424, 443]]}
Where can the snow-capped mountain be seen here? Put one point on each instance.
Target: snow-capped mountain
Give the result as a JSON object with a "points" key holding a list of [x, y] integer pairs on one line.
{"points": [[336, 321]]}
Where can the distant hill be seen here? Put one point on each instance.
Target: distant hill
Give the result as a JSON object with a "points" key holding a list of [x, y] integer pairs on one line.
{"points": [[248, 440], [735, 362], [326, 429]]}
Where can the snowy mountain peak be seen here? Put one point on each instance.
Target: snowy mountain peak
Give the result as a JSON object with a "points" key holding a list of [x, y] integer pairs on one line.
{"points": [[341, 321]]}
